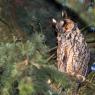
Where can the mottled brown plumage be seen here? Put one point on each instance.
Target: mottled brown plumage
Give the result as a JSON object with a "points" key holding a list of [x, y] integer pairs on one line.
{"points": [[72, 51]]}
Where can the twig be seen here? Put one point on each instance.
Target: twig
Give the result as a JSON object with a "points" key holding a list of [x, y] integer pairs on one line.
{"points": [[4, 22], [92, 78], [50, 57], [52, 49], [88, 81], [86, 27], [40, 27]]}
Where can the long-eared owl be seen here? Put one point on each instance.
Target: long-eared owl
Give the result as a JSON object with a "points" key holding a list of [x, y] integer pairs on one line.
{"points": [[72, 51]]}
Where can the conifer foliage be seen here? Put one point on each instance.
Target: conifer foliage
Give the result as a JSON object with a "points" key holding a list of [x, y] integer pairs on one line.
{"points": [[24, 69]]}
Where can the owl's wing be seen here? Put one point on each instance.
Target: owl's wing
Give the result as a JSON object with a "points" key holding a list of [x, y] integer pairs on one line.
{"points": [[61, 59]]}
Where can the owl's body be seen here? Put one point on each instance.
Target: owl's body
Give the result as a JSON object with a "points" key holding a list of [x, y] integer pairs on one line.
{"points": [[72, 51]]}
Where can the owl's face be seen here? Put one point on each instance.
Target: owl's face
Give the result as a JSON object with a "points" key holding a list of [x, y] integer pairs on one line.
{"points": [[63, 26]]}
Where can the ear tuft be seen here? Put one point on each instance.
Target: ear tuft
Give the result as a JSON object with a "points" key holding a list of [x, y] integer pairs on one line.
{"points": [[54, 21], [64, 14]]}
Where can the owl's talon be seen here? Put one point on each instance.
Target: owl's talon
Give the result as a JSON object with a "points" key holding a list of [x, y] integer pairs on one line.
{"points": [[80, 77]]}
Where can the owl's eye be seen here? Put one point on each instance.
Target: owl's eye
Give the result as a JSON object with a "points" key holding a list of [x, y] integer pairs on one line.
{"points": [[64, 23], [61, 23]]}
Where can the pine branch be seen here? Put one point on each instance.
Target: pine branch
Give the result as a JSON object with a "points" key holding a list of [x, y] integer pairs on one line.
{"points": [[4, 22]]}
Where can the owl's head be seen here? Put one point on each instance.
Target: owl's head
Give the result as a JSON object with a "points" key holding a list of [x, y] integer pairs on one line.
{"points": [[63, 26]]}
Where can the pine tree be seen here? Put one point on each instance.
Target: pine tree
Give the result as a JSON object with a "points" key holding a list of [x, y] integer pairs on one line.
{"points": [[27, 64]]}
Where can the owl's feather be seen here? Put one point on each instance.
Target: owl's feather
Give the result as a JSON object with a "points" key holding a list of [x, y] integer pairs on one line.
{"points": [[72, 51]]}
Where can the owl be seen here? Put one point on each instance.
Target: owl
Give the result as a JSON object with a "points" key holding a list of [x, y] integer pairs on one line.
{"points": [[72, 51]]}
